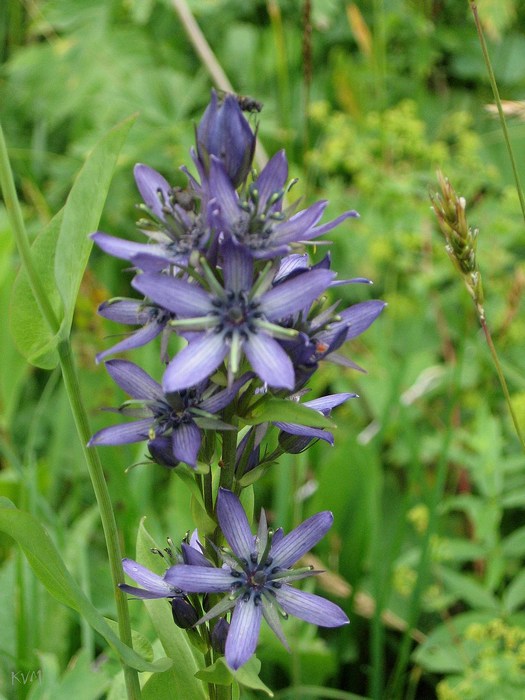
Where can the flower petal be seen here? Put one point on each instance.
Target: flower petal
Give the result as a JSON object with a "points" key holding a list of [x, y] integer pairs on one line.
{"points": [[234, 524], [133, 340], [176, 295], [151, 184], [272, 178], [310, 607], [299, 541], [122, 434], [243, 633], [130, 311], [186, 441], [269, 360], [195, 362], [295, 294], [134, 380], [360, 316], [237, 266], [153, 583], [200, 579], [118, 247], [326, 403]]}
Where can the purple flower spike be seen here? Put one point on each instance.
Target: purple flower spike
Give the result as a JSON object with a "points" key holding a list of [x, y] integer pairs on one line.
{"points": [[256, 577]]}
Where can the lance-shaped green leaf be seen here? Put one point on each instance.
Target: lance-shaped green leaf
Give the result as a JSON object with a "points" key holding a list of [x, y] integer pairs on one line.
{"points": [[272, 409], [48, 566], [32, 335], [82, 212], [60, 254]]}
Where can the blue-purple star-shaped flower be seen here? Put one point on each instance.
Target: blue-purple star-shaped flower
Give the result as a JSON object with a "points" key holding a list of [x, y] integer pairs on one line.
{"points": [[181, 416], [256, 577]]}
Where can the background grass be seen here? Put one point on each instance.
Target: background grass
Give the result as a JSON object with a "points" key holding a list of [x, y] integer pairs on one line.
{"points": [[427, 480]]}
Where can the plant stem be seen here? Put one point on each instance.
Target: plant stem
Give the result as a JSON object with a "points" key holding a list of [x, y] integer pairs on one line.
{"points": [[501, 378], [107, 515], [495, 91], [77, 407]]}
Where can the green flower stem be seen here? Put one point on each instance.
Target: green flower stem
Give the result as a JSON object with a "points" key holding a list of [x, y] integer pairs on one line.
{"points": [[229, 453], [495, 91], [501, 378], [107, 515], [78, 410]]}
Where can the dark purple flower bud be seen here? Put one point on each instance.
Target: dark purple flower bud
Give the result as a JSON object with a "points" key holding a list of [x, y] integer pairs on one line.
{"points": [[161, 452], [219, 634], [225, 133], [184, 614]]}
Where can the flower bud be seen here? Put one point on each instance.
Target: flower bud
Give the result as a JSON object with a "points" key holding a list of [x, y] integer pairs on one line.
{"points": [[224, 132], [161, 452], [184, 614], [219, 634]]}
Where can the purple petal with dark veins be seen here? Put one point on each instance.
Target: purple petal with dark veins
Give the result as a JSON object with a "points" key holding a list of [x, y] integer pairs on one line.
{"points": [[272, 178], [299, 541], [310, 607], [199, 579], [152, 583], [295, 294], [237, 267], [176, 295], [360, 316], [320, 230], [224, 193], [149, 184], [141, 593], [133, 340], [269, 360], [156, 262], [218, 401], [120, 248], [299, 225], [122, 434], [193, 557], [306, 431], [134, 380], [195, 362], [326, 403], [243, 633], [129, 311], [186, 440], [234, 524], [291, 265]]}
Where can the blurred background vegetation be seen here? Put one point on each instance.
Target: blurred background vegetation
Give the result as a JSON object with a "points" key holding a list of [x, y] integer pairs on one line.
{"points": [[427, 479]]}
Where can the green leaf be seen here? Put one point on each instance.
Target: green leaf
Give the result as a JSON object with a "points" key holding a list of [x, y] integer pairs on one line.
{"points": [[286, 411], [467, 589], [82, 212], [60, 254], [514, 595], [80, 680], [49, 567], [248, 674], [180, 679], [29, 329]]}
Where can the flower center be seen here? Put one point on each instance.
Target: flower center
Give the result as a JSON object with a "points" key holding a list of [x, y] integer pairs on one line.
{"points": [[238, 313]]}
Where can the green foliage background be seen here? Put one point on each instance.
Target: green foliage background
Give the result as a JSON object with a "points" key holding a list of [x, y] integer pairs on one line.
{"points": [[427, 480]]}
